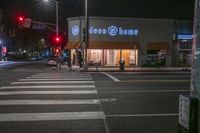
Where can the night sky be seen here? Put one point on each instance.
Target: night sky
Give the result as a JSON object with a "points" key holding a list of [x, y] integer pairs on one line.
{"points": [[38, 10]]}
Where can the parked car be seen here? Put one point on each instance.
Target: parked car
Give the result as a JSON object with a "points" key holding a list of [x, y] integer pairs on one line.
{"points": [[150, 63], [51, 61]]}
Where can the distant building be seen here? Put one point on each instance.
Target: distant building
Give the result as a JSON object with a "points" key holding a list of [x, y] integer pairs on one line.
{"points": [[133, 39]]}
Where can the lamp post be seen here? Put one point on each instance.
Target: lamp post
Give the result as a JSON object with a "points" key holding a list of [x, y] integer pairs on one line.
{"points": [[56, 4]]}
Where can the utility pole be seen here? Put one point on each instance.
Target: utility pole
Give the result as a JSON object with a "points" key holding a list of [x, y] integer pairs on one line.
{"points": [[86, 37], [195, 73]]}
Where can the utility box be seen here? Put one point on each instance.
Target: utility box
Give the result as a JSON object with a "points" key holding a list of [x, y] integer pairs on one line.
{"points": [[188, 114]]}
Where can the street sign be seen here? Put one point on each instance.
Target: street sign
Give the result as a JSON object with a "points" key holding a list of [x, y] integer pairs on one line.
{"points": [[27, 23], [188, 114], [184, 111], [38, 27]]}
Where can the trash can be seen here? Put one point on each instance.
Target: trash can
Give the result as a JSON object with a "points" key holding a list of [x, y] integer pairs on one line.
{"points": [[121, 65]]}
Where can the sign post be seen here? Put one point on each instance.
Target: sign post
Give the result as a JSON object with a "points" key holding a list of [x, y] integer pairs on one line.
{"points": [[188, 112]]}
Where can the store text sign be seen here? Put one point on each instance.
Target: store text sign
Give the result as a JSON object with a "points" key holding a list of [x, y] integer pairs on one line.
{"points": [[111, 31]]}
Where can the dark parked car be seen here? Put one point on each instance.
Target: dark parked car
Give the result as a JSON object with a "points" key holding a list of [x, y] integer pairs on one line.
{"points": [[150, 63]]}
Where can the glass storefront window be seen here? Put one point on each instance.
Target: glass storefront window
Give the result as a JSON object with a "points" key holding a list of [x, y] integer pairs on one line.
{"points": [[95, 56], [185, 45], [108, 57]]}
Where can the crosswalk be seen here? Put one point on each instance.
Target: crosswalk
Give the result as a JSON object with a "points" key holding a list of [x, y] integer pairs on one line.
{"points": [[70, 97]]}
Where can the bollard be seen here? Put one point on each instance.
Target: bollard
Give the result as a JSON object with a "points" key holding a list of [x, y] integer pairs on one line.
{"points": [[121, 65], [97, 66]]}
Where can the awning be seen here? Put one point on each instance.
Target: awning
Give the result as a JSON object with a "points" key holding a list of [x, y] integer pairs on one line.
{"points": [[158, 46], [105, 45], [73, 45]]}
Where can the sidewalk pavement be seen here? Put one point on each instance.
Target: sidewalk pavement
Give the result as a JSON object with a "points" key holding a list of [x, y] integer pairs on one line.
{"points": [[4, 62], [127, 69]]}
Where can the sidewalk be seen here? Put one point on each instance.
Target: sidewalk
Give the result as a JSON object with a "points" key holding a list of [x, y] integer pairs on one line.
{"points": [[128, 69], [4, 62]]}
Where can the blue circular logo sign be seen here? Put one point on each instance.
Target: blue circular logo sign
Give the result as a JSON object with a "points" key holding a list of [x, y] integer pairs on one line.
{"points": [[75, 30], [112, 30]]}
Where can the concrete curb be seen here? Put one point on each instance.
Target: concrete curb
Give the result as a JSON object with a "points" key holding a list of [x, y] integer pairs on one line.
{"points": [[138, 69]]}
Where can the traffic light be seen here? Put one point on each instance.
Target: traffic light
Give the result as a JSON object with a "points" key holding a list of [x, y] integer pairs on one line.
{"points": [[57, 50], [84, 38], [57, 39], [20, 20]]}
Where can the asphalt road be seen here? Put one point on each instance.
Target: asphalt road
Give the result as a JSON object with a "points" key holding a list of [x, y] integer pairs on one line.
{"points": [[35, 98], [142, 102]]}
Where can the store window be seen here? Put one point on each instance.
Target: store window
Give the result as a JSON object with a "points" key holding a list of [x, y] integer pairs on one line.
{"points": [[185, 44], [185, 52], [112, 57], [129, 56], [95, 56]]}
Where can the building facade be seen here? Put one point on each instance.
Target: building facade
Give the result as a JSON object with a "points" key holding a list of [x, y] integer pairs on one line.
{"points": [[182, 43], [134, 40]]}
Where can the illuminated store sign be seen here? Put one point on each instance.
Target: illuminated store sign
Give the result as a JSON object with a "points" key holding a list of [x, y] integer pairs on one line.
{"points": [[184, 37], [75, 30], [111, 31]]}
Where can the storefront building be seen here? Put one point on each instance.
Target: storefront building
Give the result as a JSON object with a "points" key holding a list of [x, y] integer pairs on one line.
{"points": [[182, 43], [132, 39]]}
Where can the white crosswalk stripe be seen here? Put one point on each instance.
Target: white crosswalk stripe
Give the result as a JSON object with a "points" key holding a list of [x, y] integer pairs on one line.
{"points": [[48, 86], [48, 102], [51, 116], [78, 84], [47, 92], [56, 79], [53, 82]]}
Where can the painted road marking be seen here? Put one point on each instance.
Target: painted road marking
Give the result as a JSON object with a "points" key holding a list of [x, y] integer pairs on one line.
{"points": [[55, 79], [143, 81], [54, 82], [141, 115], [154, 76], [112, 77], [47, 92], [9, 117], [64, 75], [148, 91], [48, 86], [53, 76], [47, 102]]}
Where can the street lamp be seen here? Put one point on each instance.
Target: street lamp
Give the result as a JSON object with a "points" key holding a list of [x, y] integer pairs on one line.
{"points": [[56, 4]]}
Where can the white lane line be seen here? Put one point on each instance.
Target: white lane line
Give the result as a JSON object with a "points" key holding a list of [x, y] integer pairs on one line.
{"points": [[63, 75], [47, 92], [47, 102], [141, 115], [48, 86], [55, 79], [149, 91], [154, 76], [112, 77], [54, 82], [9, 117]]}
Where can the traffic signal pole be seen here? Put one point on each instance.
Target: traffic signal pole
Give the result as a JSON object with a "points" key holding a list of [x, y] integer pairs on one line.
{"points": [[86, 37], [195, 74], [195, 71]]}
